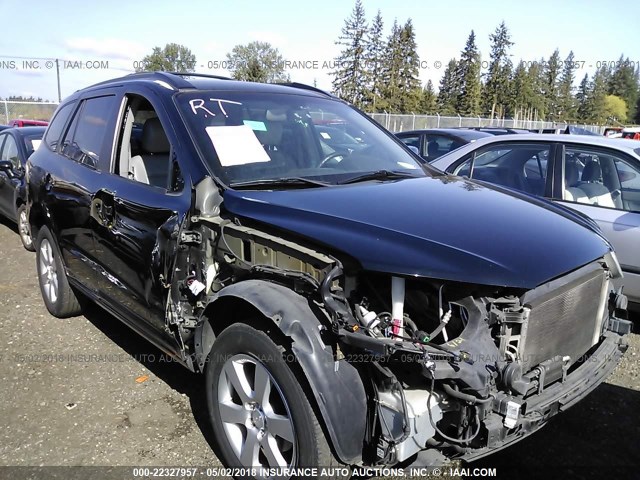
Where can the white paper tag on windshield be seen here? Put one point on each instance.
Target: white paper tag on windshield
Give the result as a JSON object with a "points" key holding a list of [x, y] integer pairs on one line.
{"points": [[237, 145], [35, 143]]}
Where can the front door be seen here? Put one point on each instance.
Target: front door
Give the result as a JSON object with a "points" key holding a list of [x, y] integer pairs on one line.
{"points": [[138, 213]]}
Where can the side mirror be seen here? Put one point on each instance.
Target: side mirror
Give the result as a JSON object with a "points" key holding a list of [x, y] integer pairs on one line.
{"points": [[414, 149], [6, 166]]}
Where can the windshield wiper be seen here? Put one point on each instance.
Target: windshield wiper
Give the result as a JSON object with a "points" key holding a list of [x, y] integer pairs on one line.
{"points": [[279, 183], [378, 175]]}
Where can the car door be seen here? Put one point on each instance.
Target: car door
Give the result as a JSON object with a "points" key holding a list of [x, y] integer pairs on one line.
{"points": [[519, 165], [137, 213], [6, 192], [70, 178], [604, 184]]}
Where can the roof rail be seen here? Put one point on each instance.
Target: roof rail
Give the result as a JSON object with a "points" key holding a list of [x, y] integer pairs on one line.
{"points": [[203, 75], [304, 86]]}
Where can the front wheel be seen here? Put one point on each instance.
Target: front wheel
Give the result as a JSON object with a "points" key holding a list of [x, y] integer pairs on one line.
{"points": [[260, 414]]}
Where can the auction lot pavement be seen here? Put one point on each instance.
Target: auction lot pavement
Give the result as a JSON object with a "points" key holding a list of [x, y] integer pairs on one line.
{"points": [[88, 391]]}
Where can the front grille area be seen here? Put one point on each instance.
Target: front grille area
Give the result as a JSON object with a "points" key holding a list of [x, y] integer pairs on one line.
{"points": [[565, 318]]}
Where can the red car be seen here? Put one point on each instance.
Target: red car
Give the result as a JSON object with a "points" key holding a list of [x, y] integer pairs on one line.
{"points": [[28, 123]]}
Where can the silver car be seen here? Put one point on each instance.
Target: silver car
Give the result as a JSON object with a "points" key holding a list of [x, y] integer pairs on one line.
{"points": [[598, 176]]}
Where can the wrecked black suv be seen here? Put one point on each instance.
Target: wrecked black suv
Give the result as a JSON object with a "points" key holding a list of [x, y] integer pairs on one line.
{"points": [[346, 303]]}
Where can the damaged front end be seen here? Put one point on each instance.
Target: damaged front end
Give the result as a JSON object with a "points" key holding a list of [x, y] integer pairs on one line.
{"points": [[405, 370], [462, 370]]}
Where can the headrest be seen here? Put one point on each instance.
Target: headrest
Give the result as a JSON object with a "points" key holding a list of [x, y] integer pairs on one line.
{"points": [[571, 174], [592, 172], [272, 135], [276, 115], [154, 140], [432, 148]]}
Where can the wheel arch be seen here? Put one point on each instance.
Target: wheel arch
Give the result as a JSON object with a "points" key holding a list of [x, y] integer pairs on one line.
{"points": [[338, 391]]}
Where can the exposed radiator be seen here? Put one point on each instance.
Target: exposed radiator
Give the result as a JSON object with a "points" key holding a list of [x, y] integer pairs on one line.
{"points": [[566, 316]]}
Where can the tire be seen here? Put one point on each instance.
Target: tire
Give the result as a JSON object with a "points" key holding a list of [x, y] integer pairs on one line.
{"points": [[24, 229], [241, 364], [59, 298]]}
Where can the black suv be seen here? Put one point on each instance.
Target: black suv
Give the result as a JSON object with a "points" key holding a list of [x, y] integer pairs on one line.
{"points": [[346, 305]]}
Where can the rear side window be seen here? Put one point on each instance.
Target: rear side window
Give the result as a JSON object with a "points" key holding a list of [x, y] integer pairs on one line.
{"points": [[54, 132], [85, 139], [10, 152]]}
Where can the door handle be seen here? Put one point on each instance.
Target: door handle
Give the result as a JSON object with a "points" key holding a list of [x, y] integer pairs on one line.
{"points": [[103, 208], [48, 184]]}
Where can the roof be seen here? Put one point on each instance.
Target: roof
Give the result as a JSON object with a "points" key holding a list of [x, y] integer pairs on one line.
{"points": [[467, 134], [630, 146], [26, 131], [190, 81]]}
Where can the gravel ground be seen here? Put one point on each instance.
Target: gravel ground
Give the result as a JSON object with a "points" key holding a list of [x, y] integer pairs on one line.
{"points": [[88, 391]]}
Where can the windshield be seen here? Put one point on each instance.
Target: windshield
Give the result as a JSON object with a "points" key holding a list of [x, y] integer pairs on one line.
{"points": [[250, 137]]}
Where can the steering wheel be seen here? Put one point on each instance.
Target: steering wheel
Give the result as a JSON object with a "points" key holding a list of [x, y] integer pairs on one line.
{"points": [[330, 157]]}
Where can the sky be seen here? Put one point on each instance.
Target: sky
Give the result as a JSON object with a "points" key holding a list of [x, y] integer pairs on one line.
{"points": [[96, 41]]}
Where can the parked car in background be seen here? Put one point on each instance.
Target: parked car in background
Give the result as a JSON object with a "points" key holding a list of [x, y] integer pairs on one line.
{"points": [[434, 142], [613, 132], [597, 176], [16, 144], [566, 130], [356, 309], [499, 130], [27, 123], [631, 133]]}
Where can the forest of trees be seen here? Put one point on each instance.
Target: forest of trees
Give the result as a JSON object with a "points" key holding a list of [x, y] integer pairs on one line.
{"points": [[379, 73]]}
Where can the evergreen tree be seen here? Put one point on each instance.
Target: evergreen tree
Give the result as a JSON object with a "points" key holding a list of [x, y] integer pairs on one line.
{"points": [[496, 91], [449, 89], [582, 96], [468, 102], [408, 76], [536, 73], [624, 83], [566, 100], [350, 75], [428, 102], [595, 105], [522, 94], [373, 56], [551, 85], [392, 64]]}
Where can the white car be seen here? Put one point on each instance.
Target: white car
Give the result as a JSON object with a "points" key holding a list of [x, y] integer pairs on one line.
{"points": [[598, 176]]}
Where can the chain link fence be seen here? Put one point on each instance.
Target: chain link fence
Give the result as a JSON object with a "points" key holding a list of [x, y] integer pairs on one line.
{"points": [[402, 122], [12, 110]]}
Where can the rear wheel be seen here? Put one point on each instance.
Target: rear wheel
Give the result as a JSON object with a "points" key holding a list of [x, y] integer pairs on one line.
{"points": [[260, 413], [24, 229], [59, 298]]}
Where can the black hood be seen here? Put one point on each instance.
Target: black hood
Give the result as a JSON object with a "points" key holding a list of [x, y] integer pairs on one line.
{"points": [[441, 227]]}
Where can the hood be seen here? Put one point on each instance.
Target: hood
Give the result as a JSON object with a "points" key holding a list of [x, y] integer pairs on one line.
{"points": [[439, 227]]}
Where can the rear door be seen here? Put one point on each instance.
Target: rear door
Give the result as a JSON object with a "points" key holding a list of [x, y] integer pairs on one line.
{"points": [[73, 176], [137, 217]]}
